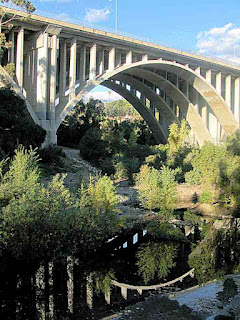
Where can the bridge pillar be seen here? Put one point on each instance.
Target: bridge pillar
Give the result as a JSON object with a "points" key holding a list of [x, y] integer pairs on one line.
{"points": [[101, 61], [83, 64], [228, 91], [124, 293], [129, 57], [63, 63], [145, 57], [53, 78], [12, 49], [112, 55], [93, 62], [42, 78], [73, 67], [19, 57], [237, 100]]}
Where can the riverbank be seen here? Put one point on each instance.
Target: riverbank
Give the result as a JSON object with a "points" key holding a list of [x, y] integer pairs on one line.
{"points": [[218, 300]]}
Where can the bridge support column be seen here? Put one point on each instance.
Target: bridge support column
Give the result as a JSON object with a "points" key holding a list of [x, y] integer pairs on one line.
{"points": [[228, 90], [73, 67], [129, 57], [93, 62], [19, 57], [101, 61], [124, 293], [145, 57], [53, 78], [70, 283], [118, 58], [83, 64], [89, 292], [112, 55], [51, 135], [63, 62], [219, 83], [237, 100], [42, 78], [12, 49]]}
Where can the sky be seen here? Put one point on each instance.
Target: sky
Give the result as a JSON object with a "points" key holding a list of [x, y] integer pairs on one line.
{"points": [[210, 27]]}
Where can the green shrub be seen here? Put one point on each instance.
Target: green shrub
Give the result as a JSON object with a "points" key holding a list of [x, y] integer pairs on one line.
{"points": [[51, 155], [16, 125], [157, 189], [161, 230], [193, 177], [92, 147], [191, 217], [107, 166], [121, 171], [206, 197]]}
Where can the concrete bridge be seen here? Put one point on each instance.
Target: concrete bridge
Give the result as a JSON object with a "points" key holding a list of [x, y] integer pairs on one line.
{"points": [[58, 63]]}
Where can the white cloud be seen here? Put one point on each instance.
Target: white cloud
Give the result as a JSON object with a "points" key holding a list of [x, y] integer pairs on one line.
{"points": [[96, 15], [104, 96], [223, 42]]}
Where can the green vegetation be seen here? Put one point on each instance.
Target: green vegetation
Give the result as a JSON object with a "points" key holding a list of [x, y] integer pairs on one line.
{"points": [[155, 259], [40, 223], [16, 125], [120, 108], [157, 189]]}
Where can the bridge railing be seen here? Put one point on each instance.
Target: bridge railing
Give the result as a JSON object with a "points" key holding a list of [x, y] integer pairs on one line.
{"points": [[94, 26]]}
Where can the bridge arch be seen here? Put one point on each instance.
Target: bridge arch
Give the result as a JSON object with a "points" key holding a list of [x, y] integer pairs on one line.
{"points": [[199, 83]]}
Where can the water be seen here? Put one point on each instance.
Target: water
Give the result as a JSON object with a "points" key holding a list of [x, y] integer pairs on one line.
{"points": [[78, 288]]}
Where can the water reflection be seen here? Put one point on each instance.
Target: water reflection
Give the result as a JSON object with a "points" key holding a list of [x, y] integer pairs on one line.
{"points": [[81, 288]]}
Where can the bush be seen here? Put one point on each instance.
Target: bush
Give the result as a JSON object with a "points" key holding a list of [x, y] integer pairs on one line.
{"points": [[206, 197], [193, 177], [51, 155], [157, 189], [92, 147], [207, 161], [191, 217], [16, 125], [165, 230]]}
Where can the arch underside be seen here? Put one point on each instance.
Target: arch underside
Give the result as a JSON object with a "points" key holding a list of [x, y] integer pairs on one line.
{"points": [[146, 78]]}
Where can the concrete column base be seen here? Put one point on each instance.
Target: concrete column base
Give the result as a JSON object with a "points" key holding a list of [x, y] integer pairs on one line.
{"points": [[51, 135]]}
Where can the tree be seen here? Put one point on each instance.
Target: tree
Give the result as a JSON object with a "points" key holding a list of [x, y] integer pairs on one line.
{"points": [[83, 117], [155, 259], [178, 136], [16, 125], [157, 189], [6, 19]]}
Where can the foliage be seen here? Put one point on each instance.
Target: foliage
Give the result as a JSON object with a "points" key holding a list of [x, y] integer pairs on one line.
{"points": [[193, 177], [51, 155], [207, 161], [164, 230], [6, 19], [103, 281], [16, 125], [119, 108], [206, 197], [191, 217], [155, 259], [10, 68], [203, 260], [22, 176], [99, 195], [92, 147], [81, 119], [178, 136], [39, 222], [157, 189]]}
